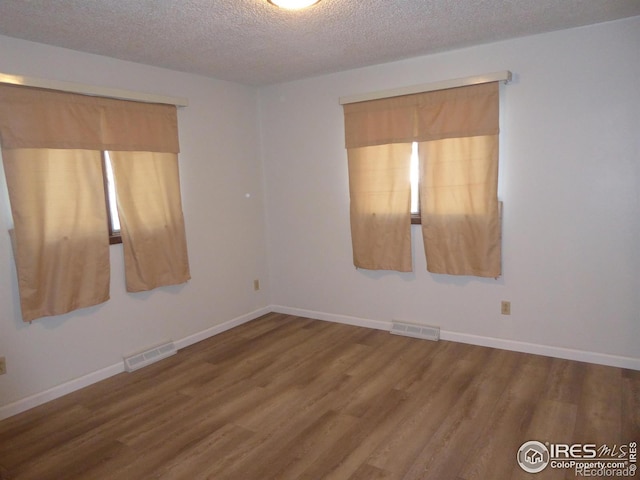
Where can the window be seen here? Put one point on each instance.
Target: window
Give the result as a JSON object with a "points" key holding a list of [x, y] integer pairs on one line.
{"points": [[446, 143], [113, 219], [414, 178], [53, 151]]}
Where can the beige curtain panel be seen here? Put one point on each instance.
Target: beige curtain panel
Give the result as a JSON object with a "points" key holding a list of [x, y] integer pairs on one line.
{"points": [[151, 219], [452, 113], [458, 133], [60, 237], [38, 118], [380, 206], [459, 205], [51, 143]]}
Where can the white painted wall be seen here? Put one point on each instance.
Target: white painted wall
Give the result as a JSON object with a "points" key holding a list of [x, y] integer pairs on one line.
{"points": [[219, 165], [570, 182], [569, 179]]}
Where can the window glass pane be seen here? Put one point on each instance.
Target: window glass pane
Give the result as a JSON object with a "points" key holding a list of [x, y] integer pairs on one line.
{"points": [[111, 192], [414, 174]]}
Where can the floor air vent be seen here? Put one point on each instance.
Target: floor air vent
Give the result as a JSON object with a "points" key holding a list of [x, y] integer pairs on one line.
{"points": [[142, 359], [416, 331]]}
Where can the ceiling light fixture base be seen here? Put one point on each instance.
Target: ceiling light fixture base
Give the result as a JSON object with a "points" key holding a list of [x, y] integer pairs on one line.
{"points": [[293, 4]]}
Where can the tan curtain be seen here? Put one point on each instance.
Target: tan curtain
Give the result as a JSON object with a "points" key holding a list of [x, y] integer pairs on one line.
{"points": [[436, 117], [451, 113], [61, 240], [459, 205], [151, 219], [51, 143], [380, 206], [38, 118]]}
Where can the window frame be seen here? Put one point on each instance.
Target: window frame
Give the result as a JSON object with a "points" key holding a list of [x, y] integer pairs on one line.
{"points": [[115, 236], [416, 217]]}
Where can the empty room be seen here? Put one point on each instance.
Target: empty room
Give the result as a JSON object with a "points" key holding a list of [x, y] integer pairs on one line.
{"points": [[348, 240]]}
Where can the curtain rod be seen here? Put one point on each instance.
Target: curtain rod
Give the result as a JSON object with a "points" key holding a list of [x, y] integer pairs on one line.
{"points": [[92, 90], [504, 76]]}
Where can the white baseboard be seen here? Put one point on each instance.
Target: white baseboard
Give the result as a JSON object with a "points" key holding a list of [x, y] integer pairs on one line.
{"points": [[27, 403], [546, 350], [503, 344], [40, 398], [330, 317], [223, 327]]}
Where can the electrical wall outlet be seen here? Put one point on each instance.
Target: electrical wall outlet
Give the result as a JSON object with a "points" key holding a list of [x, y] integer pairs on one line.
{"points": [[505, 308], [3, 365]]}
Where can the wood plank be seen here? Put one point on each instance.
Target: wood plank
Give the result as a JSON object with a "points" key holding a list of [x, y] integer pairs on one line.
{"points": [[508, 423], [630, 411], [441, 384], [467, 417], [285, 397], [367, 472], [599, 417], [553, 422]]}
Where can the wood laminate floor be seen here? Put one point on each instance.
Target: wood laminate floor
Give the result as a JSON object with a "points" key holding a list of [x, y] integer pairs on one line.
{"points": [[285, 397]]}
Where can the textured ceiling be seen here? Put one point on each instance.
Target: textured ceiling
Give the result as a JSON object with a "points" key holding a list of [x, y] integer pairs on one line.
{"points": [[255, 43]]}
